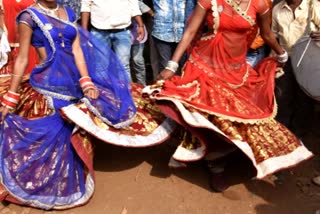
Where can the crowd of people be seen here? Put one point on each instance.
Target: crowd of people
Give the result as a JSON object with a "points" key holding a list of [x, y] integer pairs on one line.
{"points": [[222, 78]]}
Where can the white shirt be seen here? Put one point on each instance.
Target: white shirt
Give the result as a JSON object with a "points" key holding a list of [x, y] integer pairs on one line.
{"points": [[111, 14], [289, 27]]}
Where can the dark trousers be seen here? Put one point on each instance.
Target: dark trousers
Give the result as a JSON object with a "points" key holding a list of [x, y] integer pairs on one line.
{"points": [[295, 108], [165, 52]]}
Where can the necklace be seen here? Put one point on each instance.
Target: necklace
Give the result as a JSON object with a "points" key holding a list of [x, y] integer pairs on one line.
{"points": [[48, 11], [55, 13]]}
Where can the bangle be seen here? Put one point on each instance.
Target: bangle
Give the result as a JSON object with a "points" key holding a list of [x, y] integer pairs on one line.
{"points": [[85, 79], [10, 99], [86, 83], [172, 66], [16, 75], [283, 57]]}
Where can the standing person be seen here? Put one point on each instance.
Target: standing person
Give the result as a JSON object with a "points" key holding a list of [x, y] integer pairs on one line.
{"points": [[137, 48], [290, 23], [152, 51], [169, 24], [10, 10], [223, 101], [110, 21], [291, 20], [46, 161]]}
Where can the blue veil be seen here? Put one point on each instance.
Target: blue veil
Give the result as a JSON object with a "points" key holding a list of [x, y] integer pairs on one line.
{"points": [[115, 105]]}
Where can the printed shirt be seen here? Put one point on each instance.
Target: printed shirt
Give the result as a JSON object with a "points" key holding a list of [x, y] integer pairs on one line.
{"points": [[111, 14], [289, 27], [170, 18]]}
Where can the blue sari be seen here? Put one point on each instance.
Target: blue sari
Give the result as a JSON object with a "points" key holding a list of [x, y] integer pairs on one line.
{"points": [[44, 161]]}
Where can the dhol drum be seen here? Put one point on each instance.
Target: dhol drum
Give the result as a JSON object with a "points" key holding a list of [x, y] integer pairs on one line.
{"points": [[306, 66]]}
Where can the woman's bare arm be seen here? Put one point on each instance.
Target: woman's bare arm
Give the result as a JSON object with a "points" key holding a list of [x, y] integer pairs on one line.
{"points": [[21, 62], [81, 64], [264, 22], [196, 20]]}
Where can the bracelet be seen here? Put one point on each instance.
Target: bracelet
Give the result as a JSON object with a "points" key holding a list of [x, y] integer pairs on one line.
{"points": [[16, 75], [86, 83], [283, 58], [81, 62], [10, 99], [172, 66]]}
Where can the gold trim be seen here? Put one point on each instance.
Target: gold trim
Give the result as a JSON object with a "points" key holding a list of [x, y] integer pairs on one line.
{"points": [[242, 13], [244, 78], [223, 116], [216, 17]]}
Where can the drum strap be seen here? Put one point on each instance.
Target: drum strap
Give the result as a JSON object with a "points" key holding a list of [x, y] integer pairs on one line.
{"points": [[308, 29]]}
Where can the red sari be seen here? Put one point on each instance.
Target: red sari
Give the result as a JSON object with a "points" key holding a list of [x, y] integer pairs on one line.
{"points": [[220, 93], [11, 9]]}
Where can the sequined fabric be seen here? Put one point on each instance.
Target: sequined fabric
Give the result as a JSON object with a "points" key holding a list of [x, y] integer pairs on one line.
{"points": [[219, 94], [267, 140], [149, 126], [59, 169]]}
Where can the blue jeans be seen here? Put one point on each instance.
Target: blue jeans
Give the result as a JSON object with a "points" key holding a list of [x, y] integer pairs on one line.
{"points": [[138, 64], [119, 42], [254, 56]]}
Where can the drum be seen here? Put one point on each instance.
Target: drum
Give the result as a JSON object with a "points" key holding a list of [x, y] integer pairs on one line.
{"points": [[306, 66]]}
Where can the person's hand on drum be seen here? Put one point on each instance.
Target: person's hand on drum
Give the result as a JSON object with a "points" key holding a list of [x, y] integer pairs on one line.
{"points": [[315, 35]]}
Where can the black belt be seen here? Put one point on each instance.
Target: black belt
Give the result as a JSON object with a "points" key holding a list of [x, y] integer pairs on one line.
{"points": [[112, 30]]}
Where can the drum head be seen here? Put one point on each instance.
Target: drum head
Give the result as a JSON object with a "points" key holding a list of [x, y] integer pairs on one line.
{"points": [[307, 72]]}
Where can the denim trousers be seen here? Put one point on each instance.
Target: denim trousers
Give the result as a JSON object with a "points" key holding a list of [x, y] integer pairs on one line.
{"points": [[138, 63], [119, 42], [254, 56]]}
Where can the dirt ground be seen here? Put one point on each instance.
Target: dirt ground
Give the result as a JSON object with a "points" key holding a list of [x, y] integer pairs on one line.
{"points": [[138, 181]]}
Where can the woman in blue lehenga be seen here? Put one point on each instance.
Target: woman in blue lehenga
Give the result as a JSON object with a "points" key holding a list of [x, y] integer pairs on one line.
{"points": [[45, 160]]}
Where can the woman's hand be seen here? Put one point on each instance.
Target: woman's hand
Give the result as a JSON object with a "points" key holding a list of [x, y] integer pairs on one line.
{"points": [[4, 111], [315, 36], [165, 74], [92, 93]]}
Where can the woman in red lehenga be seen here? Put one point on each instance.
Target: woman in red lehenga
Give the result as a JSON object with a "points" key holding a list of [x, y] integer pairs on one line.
{"points": [[219, 94], [11, 9]]}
